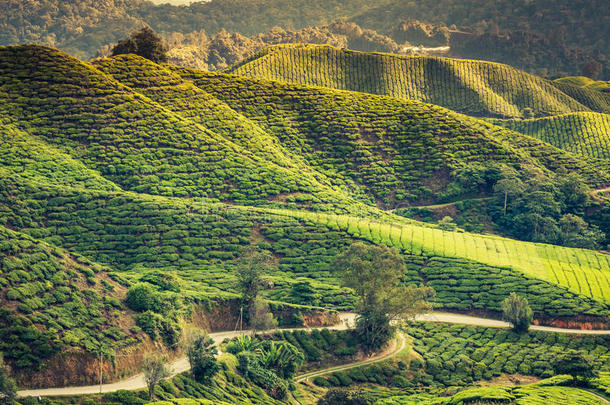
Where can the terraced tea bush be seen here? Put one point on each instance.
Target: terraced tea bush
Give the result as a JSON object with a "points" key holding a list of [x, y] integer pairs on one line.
{"points": [[55, 301], [457, 355], [472, 87], [584, 133], [397, 151]]}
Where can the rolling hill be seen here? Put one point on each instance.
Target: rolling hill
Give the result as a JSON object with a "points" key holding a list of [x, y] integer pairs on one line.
{"points": [[129, 169], [55, 306], [584, 134], [471, 87]]}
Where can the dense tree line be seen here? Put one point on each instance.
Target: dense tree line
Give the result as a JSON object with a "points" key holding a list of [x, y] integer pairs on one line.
{"points": [[539, 37]]}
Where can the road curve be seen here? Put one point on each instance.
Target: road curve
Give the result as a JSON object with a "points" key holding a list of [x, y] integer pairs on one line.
{"points": [[178, 366], [399, 344], [347, 319]]}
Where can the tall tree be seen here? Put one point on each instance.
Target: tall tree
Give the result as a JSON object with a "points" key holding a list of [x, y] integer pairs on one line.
{"points": [[509, 185], [376, 273], [251, 268], [201, 353], [517, 311], [259, 316], [155, 370], [144, 42]]}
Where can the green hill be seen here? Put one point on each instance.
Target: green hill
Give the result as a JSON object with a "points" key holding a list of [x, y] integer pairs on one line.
{"points": [[471, 87], [148, 130], [585, 134], [137, 143], [56, 307], [137, 170], [397, 150], [585, 82]]}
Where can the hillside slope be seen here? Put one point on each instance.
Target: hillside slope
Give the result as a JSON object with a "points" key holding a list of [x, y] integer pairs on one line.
{"points": [[129, 171], [150, 130], [585, 134], [397, 150], [137, 143], [471, 87], [57, 308]]}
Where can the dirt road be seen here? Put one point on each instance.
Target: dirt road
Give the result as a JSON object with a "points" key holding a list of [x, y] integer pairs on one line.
{"points": [[347, 319]]}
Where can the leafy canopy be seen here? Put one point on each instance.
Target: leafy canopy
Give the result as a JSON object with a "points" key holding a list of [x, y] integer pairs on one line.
{"points": [[155, 370], [517, 311], [144, 42], [376, 273], [201, 352]]}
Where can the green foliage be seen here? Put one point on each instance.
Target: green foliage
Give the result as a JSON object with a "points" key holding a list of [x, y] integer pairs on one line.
{"points": [[155, 370], [575, 364], [250, 367], [516, 310], [343, 397], [545, 209], [144, 42], [304, 293], [375, 274], [468, 86], [8, 388], [141, 297], [251, 269], [459, 355], [164, 281], [166, 176], [259, 316], [53, 305], [157, 325], [201, 353], [282, 356], [243, 343], [593, 131]]}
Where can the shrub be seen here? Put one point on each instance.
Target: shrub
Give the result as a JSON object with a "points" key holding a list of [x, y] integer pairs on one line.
{"points": [[576, 365], [343, 378], [156, 325], [321, 382], [141, 297], [400, 382], [248, 364]]}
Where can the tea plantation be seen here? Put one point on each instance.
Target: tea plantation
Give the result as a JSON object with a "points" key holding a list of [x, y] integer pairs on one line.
{"points": [[122, 172], [585, 134], [472, 87], [396, 150], [54, 301]]}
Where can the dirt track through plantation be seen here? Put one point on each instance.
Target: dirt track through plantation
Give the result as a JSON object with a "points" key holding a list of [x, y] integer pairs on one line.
{"points": [[181, 365]]}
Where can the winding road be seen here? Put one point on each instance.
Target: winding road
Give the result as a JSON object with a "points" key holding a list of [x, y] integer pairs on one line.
{"points": [[397, 346], [180, 365]]}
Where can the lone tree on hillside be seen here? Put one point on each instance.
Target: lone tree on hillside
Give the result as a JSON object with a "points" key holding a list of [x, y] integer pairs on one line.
{"points": [[517, 311], [144, 42], [8, 388], [155, 370], [251, 269], [375, 273], [201, 352]]}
